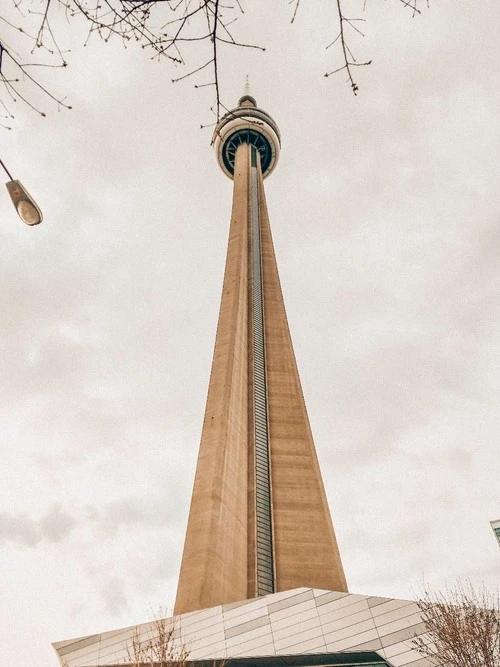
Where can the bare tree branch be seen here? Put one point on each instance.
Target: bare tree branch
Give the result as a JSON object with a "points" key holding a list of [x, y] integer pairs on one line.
{"points": [[156, 648], [165, 28], [463, 627], [348, 58]]}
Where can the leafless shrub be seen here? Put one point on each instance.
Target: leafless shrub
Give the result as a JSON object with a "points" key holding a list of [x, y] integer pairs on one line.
{"points": [[463, 626], [157, 648]]}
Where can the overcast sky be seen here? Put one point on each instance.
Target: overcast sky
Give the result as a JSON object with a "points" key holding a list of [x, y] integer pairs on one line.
{"points": [[385, 214]]}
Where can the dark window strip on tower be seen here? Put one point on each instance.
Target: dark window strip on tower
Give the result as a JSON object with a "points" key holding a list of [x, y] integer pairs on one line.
{"points": [[247, 136], [263, 518]]}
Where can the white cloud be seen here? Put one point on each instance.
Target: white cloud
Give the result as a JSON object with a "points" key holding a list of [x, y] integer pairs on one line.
{"points": [[24, 530]]}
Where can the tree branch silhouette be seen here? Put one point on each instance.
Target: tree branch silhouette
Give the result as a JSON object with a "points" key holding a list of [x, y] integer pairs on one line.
{"points": [[164, 28], [463, 627]]}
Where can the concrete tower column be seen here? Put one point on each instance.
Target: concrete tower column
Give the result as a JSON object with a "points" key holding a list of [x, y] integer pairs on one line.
{"points": [[259, 520]]}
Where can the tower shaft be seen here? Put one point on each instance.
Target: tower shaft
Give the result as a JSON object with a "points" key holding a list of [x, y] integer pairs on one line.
{"points": [[259, 521]]}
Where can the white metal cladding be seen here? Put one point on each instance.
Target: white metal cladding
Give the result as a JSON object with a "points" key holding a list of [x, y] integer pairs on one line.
{"points": [[295, 622], [263, 512]]}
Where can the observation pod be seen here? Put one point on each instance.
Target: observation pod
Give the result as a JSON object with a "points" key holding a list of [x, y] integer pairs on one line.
{"points": [[247, 124]]}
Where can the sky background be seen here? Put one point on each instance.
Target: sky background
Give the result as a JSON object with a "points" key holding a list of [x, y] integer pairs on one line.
{"points": [[385, 214]]}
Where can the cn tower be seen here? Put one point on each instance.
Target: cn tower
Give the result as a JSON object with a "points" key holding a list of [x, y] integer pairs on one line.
{"points": [[259, 521], [261, 581]]}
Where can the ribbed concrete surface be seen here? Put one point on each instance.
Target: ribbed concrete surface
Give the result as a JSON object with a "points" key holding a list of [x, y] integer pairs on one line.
{"points": [[214, 562], [306, 551]]}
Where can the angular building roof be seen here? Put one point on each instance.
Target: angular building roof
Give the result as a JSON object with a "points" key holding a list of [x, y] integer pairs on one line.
{"points": [[301, 622]]}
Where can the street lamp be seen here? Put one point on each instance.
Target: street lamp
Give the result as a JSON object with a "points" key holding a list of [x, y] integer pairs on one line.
{"points": [[26, 207]]}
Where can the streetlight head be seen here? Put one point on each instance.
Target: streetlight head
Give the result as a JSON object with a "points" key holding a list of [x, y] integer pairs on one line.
{"points": [[24, 204]]}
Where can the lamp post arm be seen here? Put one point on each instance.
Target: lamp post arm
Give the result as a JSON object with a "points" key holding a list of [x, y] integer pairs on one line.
{"points": [[6, 170]]}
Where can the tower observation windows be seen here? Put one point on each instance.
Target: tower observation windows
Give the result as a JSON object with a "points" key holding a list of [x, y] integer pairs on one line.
{"points": [[247, 136]]}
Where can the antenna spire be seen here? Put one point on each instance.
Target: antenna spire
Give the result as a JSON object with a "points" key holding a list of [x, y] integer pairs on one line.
{"points": [[247, 100]]}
